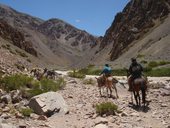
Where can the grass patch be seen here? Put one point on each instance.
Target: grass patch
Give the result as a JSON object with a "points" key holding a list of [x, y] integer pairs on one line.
{"points": [[30, 87], [143, 61], [16, 81], [153, 64], [140, 56], [107, 108], [119, 72], [26, 111], [76, 74], [158, 72]]}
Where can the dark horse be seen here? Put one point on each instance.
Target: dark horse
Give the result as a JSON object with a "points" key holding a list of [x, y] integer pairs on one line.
{"points": [[139, 84], [49, 73]]}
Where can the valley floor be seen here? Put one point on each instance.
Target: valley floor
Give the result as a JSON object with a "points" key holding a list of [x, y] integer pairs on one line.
{"points": [[81, 100]]}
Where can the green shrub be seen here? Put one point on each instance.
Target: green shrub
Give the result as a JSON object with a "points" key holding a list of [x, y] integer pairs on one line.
{"points": [[119, 72], [26, 111], [159, 72], [160, 63], [164, 62], [143, 61], [46, 85], [107, 108], [153, 64], [30, 87], [50, 85], [76, 74], [140, 56], [16, 81]]}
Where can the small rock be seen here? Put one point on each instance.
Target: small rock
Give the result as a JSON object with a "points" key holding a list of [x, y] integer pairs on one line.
{"points": [[101, 126], [22, 126], [19, 115], [72, 82], [124, 114], [101, 120], [164, 105], [6, 99], [6, 109], [134, 114], [42, 117], [5, 116], [34, 116]]}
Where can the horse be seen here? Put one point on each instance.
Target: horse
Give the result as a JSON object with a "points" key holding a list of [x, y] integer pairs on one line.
{"points": [[139, 84], [37, 73], [49, 73], [109, 83]]}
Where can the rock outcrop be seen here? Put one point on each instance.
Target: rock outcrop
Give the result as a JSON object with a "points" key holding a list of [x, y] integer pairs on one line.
{"points": [[136, 19], [48, 104], [16, 37]]}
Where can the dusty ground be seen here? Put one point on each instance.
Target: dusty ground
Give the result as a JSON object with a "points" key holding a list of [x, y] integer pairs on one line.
{"points": [[82, 98]]}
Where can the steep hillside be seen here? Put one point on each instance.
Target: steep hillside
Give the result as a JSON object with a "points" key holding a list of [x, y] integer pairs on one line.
{"points": [[137, 20], [54, 41]]}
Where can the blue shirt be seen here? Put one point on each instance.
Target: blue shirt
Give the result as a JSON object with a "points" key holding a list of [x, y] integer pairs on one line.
{"points": [[106, 70]]}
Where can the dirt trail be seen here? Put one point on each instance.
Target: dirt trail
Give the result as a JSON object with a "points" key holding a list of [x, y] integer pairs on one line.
{"points": [[82, 98]]}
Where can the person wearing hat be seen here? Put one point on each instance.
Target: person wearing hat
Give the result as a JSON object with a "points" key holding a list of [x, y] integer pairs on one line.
{"points": [[135, 71]]}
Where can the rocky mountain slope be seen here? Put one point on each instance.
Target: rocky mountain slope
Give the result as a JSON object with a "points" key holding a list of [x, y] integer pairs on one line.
{"points": [[141, 29], [54, 41]]}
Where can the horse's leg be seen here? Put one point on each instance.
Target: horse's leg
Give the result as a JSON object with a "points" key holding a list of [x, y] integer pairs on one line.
{"points": [[135, 95], [100, 91], [110, 88], [138, 98], [143, 95]]}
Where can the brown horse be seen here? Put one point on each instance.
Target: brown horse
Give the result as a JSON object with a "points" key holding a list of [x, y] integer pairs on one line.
{"points": [[139, 84], [109, 83]]}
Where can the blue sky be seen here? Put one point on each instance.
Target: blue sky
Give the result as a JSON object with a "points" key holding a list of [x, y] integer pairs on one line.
{"points": [[93, 16]]}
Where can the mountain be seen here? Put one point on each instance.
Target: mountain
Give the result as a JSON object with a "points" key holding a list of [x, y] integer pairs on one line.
{"points": [[53, 42], [141, 30]]}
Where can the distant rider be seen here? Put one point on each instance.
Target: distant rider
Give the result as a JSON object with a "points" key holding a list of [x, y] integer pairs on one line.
{"points": [[135, 71]]}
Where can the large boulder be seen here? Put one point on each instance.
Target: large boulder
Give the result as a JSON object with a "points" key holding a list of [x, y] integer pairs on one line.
{"points": [[48, 104]]}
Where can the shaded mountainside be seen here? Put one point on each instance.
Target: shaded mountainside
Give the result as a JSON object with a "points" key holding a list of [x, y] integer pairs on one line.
{"points": [[53, 41], [16, 37], [136, 20]]}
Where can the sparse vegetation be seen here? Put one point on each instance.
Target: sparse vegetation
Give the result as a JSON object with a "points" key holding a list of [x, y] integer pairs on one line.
{"points": [[76, 74], [26, 111], [16, 81], [140, 56], [143, 61], [107, 108], [153, 64], [7, 46], [29, 86], [158, 72]]}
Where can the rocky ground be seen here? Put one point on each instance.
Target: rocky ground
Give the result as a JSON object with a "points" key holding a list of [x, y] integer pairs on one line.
{"points": [[81, 100]]}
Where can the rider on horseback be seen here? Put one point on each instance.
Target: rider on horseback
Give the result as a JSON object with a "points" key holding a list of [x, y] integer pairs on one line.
{"points": [[106, 72], [135, 71]]}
